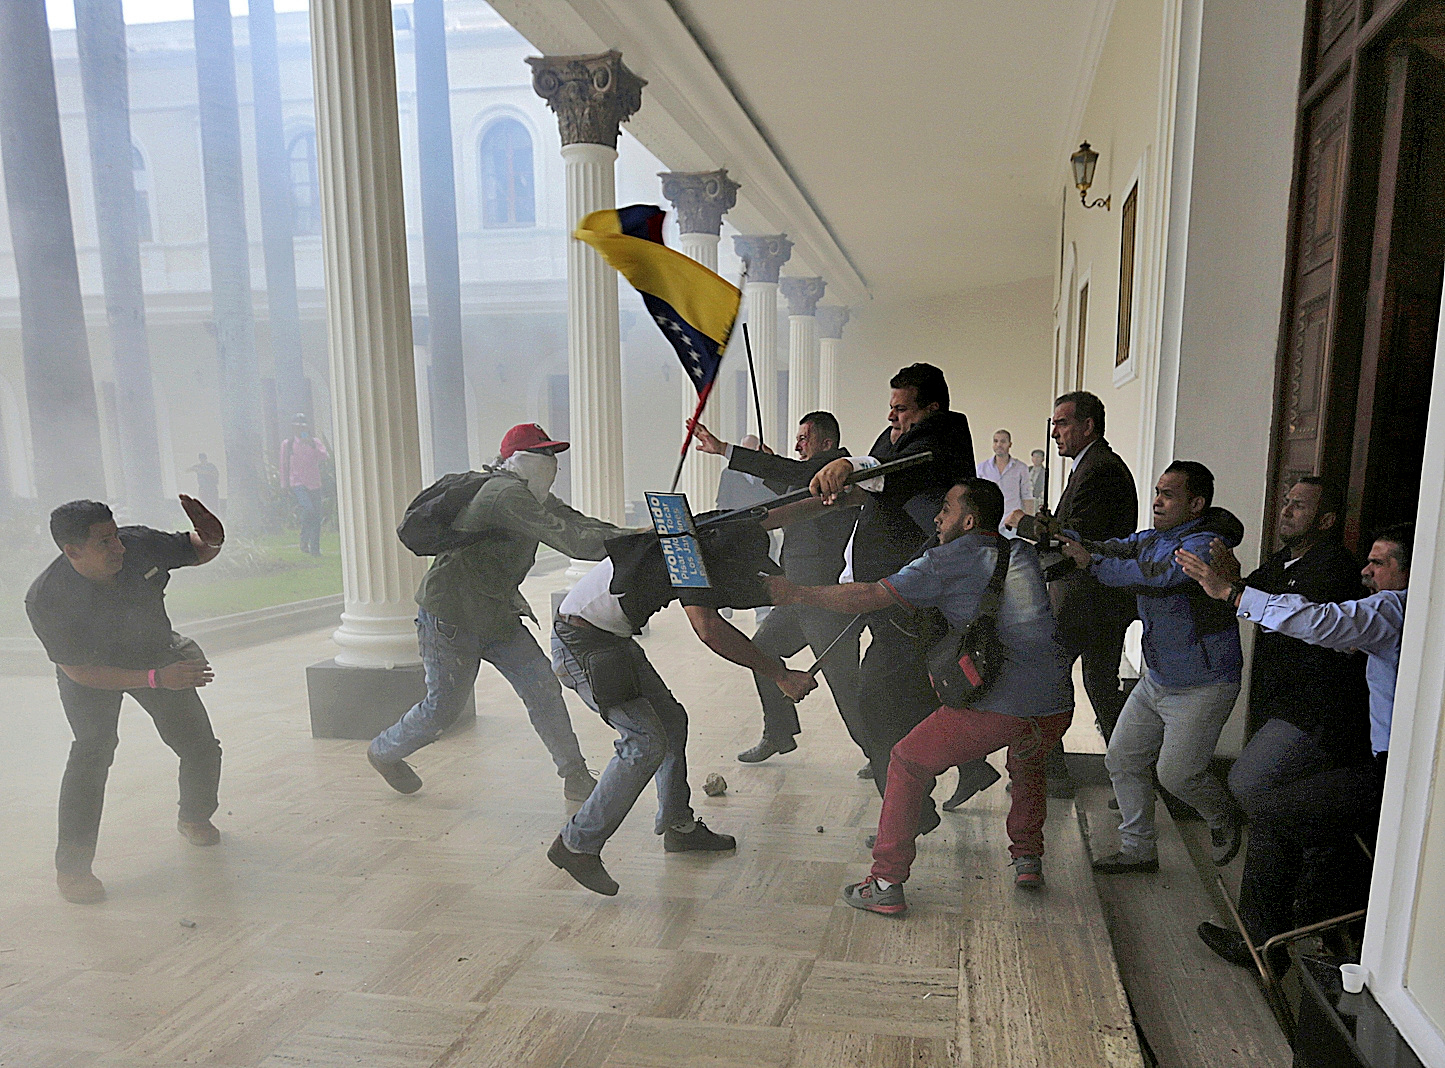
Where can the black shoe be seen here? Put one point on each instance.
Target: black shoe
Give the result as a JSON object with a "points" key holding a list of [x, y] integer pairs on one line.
{"points": [[928, 817], [866, 771], [1113, 804], [397, 773], [1224, 843], [1227, 944], [586, 868], [972, 778], [766, 748], [1124, 864], [697, 839]]}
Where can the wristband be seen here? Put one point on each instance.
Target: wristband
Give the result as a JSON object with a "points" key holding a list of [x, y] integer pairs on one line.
{"points": [[151, 678], [1236, 590]]}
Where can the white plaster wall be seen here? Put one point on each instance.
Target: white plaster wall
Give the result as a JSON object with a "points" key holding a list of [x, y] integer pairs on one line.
{"points": [[994, 345]]}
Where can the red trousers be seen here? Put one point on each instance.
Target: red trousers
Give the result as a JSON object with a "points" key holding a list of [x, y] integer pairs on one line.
{"points": [[953, 736]]}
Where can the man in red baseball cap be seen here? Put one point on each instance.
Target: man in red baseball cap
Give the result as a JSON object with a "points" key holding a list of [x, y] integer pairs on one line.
{"points": [[471, 609]]}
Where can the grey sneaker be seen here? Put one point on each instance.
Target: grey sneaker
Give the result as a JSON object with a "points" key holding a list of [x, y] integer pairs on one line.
{"points": [[79, 887], [1028, 873], [866, 771], [869, 897], [1224, 842], [398, 773], [578, 785]]}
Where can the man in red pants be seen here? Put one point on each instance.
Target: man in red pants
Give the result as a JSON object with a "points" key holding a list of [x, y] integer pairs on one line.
{"points": [[1027, 709]]}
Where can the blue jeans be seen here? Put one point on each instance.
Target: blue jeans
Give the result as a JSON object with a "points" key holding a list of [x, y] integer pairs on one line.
{"points": [[452, 656], [1171, 729], [308, 502], [651, 743]]}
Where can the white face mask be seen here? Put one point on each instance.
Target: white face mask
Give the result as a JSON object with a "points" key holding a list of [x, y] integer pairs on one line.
{"points": [[538, 468]]}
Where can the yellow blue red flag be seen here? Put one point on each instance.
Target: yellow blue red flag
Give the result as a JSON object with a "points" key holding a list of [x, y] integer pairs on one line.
{"points": [[694, 307]]}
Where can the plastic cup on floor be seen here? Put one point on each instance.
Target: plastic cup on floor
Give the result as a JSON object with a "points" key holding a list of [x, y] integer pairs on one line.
{"points": [[1353, 977]]}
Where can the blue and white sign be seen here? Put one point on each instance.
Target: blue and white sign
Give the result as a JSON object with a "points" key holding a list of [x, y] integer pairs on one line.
{"points": [[672, 519]]}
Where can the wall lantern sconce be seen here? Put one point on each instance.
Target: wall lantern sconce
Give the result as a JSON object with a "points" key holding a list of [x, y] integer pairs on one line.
{"points": [[1084, 161]]}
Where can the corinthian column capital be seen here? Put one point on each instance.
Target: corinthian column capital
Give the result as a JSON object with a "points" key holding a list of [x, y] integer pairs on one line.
{"points": [[763, 255], [592, 96], [701, 199], [831, 320], [803, 294]]}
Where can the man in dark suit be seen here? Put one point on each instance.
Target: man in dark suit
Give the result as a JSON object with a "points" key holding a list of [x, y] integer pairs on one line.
{"points": [[812, 556], [1098, 503], [896, 523]]}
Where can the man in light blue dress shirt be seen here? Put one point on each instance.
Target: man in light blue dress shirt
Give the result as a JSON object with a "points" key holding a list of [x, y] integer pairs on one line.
{"points": [[1372, 624]]}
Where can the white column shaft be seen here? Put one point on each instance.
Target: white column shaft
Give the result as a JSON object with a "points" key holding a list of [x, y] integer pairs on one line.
{"points": [[802, 368], [594, 345], [762, 298], [700, 471], [828, 373], [368, 308]]}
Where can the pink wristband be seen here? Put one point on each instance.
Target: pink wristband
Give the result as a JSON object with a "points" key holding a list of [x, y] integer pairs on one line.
{"points": [[151, 678]]}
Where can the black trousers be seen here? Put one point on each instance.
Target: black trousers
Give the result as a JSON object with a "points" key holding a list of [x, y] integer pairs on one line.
{"points": [[784, 633], [181, 720], [1100, 644], [1302, 864]]}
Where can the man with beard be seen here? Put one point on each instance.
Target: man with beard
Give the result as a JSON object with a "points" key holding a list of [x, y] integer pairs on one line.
{"points": [[470, 609], [894, 694]]}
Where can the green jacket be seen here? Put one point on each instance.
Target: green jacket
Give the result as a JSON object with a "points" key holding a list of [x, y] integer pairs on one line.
{"points": [[476, 587]]}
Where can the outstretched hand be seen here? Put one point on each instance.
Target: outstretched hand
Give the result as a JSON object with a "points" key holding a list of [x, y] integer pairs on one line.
{"points": [[1223, 560], [208, 528], [1202, 572], [707, 441]]}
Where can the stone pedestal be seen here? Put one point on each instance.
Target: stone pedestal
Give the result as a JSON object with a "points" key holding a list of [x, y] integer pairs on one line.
{"points": [[763, 257], [360, 703], [374, 405]]}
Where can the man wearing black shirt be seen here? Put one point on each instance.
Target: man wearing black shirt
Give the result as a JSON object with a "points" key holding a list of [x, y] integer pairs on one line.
{"points": [[896, 523], [812, 556], [1304, 778], [99, 610]]}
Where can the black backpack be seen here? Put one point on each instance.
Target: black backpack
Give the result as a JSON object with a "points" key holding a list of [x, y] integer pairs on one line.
{"points": [[966, 662], [426, 527]]}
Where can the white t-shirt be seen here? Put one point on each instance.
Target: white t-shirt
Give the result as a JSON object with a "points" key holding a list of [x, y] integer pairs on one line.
{"points": [[593, 601]]}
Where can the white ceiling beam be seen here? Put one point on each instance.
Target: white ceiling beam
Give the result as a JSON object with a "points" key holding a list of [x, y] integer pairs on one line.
{"points": [[690, 119]]}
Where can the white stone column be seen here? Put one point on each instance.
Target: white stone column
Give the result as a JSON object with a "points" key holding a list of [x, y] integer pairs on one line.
{"points": [[368, 311], [802, 295], [701, 200], [763, 257], [831, 320], [591, 96]]}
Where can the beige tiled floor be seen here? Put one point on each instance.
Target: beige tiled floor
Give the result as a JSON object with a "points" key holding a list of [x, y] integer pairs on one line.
{"points": [[339, 923]]}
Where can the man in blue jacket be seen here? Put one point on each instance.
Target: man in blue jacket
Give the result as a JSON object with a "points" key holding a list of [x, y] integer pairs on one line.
{"points": [[1172, 719]]}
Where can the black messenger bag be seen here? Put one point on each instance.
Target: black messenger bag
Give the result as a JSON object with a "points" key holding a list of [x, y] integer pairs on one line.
{"points": [[966, 661]]}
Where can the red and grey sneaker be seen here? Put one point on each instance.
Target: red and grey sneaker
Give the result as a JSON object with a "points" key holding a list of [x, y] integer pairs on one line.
{"points": [[1028, 873], [870, 897]]}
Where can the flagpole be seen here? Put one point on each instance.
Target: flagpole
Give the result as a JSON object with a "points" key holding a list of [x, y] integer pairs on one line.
{"points": [[753, 374], [691, 430]]}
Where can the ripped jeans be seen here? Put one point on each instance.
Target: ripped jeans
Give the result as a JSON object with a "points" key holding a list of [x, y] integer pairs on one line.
{"points": [[651, 728]]}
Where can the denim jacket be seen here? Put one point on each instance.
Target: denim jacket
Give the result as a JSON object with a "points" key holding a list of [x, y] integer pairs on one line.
{"points": [[1190, 639]]}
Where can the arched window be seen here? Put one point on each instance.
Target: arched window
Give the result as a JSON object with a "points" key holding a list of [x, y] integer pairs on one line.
{"points": [[305, 186], [141, 179], [506, 166]]}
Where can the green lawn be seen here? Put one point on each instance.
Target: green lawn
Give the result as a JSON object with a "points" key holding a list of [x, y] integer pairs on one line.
{"points": [[194, 594]]}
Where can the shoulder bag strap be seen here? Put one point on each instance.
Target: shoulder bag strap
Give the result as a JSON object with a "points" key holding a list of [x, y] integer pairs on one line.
{"points": [[988, 606]]}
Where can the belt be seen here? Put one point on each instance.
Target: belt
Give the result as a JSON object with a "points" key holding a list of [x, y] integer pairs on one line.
{"points": [[576, 621]]}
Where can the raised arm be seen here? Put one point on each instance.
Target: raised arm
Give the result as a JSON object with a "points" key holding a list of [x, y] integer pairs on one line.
{"points": [[207, 537]]}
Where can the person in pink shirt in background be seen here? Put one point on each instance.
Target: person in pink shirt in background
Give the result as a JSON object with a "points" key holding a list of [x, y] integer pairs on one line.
{"points": [[301, 456]]}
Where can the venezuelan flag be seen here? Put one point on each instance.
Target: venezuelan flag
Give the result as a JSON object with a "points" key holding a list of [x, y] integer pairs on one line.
{"points": [[695, 308]]}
